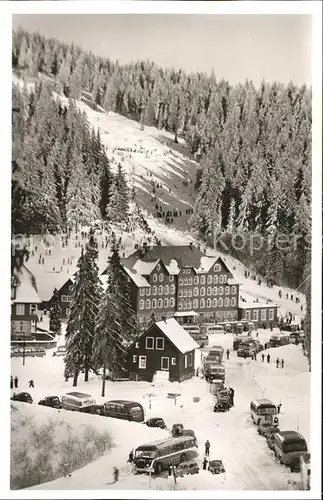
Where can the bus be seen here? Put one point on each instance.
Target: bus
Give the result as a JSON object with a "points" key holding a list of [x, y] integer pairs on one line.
{"points": [[210, 328], [215, 371], [216, 354], [155, 456], [289, 446], [79, 401], [262, 410], [123, 409], [195, 329]]}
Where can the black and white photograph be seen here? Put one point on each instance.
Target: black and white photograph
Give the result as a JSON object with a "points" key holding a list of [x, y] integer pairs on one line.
{"points": [[165, 261]]}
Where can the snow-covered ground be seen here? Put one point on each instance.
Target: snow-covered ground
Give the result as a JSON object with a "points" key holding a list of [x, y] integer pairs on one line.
{"points": [[249, 463]]}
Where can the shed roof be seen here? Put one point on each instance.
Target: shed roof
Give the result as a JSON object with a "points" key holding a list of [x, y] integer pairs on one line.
{"points": [[177, 335], [26, 292], [137, 278]]}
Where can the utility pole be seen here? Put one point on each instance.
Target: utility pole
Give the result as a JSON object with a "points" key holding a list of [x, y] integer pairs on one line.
{"points": [[23, 348]]}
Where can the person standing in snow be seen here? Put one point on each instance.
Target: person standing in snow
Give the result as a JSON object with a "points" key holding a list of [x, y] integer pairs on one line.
{"points": [[11, 382], [279, 408], [277, 362], [130, 457], [268, 358], [31, 383], [228, 354], [207, 448], [16, 382], [204, 463], [170, 468], [262, 357], [282, 363], [231, 396], [115, 474]]}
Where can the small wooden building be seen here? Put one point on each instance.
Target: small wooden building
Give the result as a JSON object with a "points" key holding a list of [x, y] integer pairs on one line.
{"points": [[261, 314], [164, 346]]}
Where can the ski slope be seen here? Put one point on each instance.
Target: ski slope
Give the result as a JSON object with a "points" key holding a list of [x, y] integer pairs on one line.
{"points": [[250, 465]]}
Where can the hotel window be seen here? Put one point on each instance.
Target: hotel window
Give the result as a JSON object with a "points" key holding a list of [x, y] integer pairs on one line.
{"points": [[195, 291], [227, 290], [248, 315], [141, 292], [160, 343], [189, 304], [215, 290], [142, 362], [221, 278], [172, 289], [226, 302], [271, 314], [160, 303], [202, 291], [233, 302], [185, 292], [134, 358], [154, 290], [171, 278], [255, 315], [209, 291], [67, 311], [158, 267], [180, 305], [221, 290], [202, 303], [190, 281], [160, 290], [217, 267], [220, 302], [172, 302], [154, 303], [184, 304], [195, 304], [166, 289], [180, 293], [215, 279], [155, 277], [22, 326], [202, 280], [148, 291], [189, 292], [208, 303], [209, 280], [148, 304], [161, 277], [215, 302], [196, 280], [165, 302], [185, 281], [225, 278], [233, 290], [263, 315], [180, 281], [141, 304]]}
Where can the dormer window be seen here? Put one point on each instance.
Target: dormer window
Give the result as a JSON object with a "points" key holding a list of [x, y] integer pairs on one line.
{"points": [[158, 267], [33, 308], [13, 292]]}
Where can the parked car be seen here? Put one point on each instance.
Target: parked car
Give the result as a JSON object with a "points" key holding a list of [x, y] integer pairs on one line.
{"points": [[60, 351], [156, 422], [187, 468], [245, 353], [265, 428], [24, 397], [201, 339], [270, 437], [216, 467], [51, 401]]}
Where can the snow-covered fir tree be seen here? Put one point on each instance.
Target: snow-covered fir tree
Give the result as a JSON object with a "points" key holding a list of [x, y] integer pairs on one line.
{"points": [[118, 208], [84, 310], [55, 314], [116, 324]]}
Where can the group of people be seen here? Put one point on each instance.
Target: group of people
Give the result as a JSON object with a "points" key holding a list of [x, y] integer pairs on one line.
{"points": [[15, 381], [279, 363]]}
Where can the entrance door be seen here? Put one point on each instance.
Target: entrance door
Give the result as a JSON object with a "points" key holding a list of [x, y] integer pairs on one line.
{"points": [[165, 364]]}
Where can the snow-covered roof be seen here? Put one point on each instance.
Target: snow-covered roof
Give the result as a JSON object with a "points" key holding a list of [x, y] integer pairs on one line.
{"points": [[26, 293], [137, 278], [172, 267], [205, 264], [256, 305], [145, 268], [234, 281], [48, 280], [177, 335]]}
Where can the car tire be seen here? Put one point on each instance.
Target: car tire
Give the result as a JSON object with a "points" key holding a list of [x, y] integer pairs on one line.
{"points": [[183, 458]]}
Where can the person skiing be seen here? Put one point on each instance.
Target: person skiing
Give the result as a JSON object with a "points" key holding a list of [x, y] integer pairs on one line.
{"points": [[31, 383], [279, 407], [268, 358], [262, 357], [207, 448], [11, 382], [115, 474], [277, 362], [228, 353], [16, 382], [204, 463], [282, 363]]}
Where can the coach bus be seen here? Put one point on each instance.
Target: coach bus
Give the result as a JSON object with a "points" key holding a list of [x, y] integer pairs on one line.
{"points": [[262, 410]]}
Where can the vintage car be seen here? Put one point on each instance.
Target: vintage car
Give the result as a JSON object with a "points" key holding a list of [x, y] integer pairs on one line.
{"points": [[24, 397], [156, 422], [61, 351], [185, 468], [216, 467], [270, 437], [51, 401], [266, 428]]}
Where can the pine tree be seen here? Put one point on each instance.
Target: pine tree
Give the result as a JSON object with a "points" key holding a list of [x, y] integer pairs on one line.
{"points": [[118, 208], [116, 321], [83, 314], [55, 314]]}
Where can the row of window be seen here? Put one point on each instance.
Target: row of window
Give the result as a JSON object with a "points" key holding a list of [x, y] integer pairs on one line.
{"points": [[154, 303], [195, 304], [263, 315], [188, 292], [25, 309], [66, 298], [164, 362], [160, 277], [150, 343], [161, 290], [202, 280]]}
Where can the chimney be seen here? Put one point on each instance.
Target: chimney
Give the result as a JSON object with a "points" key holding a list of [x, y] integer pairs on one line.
{"points": [[164, 318], [191, 246]]}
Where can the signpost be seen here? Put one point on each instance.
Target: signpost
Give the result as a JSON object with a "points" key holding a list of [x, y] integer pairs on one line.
{"points": [[173, 395]]}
